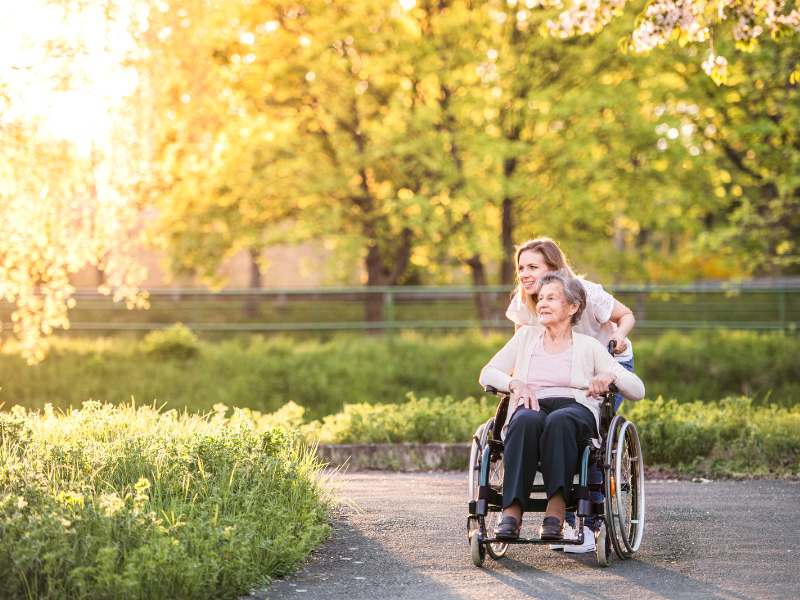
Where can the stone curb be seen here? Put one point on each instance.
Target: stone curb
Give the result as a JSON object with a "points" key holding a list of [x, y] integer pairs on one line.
{"points": [[396, 457]]}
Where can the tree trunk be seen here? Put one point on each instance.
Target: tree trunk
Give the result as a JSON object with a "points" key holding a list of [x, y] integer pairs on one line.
{"points": [[253, 303], [374, 302], [507, 266], [482, 299], [377, 274]]}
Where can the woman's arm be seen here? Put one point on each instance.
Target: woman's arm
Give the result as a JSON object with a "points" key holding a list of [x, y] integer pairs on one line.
{"points": [[622, 316], [498, 372]]}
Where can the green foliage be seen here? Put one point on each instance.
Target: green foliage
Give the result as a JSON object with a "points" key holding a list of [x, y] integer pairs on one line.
{"points": [[707, 365], [418, 420], [176, 342], [734, 435], [118, 502], [263, 374]]}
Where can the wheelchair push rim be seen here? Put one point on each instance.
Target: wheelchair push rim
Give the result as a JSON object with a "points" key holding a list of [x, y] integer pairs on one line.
{"points": [[624, 487]]}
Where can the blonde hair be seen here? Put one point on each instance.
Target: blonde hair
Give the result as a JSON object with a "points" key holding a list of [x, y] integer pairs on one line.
{"points": [[554, 258]]}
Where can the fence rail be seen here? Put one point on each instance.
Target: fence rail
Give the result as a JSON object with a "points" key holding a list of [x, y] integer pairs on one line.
{"points": [[727, 305]]}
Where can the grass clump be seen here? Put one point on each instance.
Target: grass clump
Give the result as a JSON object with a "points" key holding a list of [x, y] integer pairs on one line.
{"points": [[120, 502], [176, 342]]}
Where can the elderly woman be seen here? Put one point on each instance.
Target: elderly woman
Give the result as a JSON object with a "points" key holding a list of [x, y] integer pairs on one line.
{"points": [[557, 377]]}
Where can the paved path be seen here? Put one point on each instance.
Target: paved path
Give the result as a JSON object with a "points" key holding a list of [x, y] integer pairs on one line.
{"points": [[404, 536]]}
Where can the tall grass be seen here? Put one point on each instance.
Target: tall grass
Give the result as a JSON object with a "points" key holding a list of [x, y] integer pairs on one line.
{"points": [[125, 502], [263, 374]]}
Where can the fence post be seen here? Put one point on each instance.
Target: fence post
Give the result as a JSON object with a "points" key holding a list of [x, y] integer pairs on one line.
{"points": [[782, 308], [390, 314], [194, 312]]}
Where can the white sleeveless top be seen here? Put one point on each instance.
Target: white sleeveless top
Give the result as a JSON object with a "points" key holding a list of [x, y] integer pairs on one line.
{"points": [[594, 319]]}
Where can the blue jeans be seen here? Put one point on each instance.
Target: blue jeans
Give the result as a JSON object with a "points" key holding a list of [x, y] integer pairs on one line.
{"points": [[593, 474]]}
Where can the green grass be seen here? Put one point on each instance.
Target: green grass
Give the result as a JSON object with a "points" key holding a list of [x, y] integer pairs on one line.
{"points": [[119, 502], [263, 374]]}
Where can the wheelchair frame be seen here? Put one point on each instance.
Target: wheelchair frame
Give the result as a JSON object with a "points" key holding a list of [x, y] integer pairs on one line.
{"points": [[619, 459]]}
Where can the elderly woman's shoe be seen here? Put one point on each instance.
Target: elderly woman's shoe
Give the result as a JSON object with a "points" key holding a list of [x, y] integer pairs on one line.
{"points": [[552, 529], [508, 528]]}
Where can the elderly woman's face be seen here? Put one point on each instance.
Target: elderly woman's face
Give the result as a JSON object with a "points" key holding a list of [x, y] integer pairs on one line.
{"points": [[552, 307]]}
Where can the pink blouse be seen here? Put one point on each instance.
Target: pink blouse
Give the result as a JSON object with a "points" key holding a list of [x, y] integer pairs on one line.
{"points": [[549, 374]]}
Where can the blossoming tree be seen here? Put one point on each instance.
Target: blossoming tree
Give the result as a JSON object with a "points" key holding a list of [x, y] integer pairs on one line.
{"points": [[663, 21]]}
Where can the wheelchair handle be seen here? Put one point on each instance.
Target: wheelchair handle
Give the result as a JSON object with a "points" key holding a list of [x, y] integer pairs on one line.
{"points": [[611, 345]]}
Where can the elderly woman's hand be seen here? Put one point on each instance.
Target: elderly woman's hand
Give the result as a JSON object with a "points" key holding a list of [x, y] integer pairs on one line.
{"points": [[599, 384], [521, 395]]}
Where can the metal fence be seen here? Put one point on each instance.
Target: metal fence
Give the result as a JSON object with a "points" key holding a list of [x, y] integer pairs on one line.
{"points": [[731, 306]]}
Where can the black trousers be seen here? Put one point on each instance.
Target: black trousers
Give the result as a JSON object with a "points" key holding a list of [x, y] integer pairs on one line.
{"points": [[550, 436]]}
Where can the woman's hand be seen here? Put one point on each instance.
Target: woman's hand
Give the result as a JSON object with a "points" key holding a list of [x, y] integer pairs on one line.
{"points": [[622, 345], [521, 395], [599, 384]]}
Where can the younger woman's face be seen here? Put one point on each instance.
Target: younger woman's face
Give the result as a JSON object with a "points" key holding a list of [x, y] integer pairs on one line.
{"points": [[531, 266]]}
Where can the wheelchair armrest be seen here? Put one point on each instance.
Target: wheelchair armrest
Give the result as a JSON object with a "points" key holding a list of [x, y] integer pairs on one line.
{"points": [[490, 389]]}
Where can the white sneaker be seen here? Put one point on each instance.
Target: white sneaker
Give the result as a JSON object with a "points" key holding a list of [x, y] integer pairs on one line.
{"points": [[569, 534], [588, 544]]}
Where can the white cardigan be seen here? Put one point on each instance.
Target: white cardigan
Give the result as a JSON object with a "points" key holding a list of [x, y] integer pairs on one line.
{"points": [[588, 358]]}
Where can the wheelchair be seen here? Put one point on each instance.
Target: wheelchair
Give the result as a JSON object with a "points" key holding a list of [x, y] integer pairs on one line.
{"points": [[619, 459]]}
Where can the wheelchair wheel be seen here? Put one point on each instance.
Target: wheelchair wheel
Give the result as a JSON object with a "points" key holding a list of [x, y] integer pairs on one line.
{"points": [[478, 550], [492, 520], [629, 483], [603, 547], [624, 487], [475, 457]]}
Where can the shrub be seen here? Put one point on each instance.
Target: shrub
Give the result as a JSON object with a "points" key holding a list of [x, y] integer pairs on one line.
{"points": [[176, 342], [417, 420], [733, 435], [118, 502]]}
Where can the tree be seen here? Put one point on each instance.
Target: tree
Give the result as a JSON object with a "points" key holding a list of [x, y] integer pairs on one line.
{"points": [[748, 133], [63, 206], [687, 21]]}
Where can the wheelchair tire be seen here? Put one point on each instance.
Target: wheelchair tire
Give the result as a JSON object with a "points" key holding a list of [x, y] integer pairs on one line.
{"points": [[609, 487], [603, 547], [629, 483], [475, 457], [477, 550]]}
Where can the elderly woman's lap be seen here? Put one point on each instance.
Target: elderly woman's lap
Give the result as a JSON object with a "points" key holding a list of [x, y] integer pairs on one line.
{"points": [[558, 445], [550, 436]]}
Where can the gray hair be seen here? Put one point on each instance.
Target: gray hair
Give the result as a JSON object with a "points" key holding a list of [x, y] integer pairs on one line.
{"points": [[574, 292]]}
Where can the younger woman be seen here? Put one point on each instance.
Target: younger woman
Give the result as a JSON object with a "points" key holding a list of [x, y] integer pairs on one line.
{"points": [[604, 319]]}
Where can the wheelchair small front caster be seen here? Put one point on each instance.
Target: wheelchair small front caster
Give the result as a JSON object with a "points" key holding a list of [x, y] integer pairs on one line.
{"points": [[478, 550], [603, 547]]}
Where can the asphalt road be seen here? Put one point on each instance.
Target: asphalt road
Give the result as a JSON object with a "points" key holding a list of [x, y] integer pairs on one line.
{"points": [[404, 536]]}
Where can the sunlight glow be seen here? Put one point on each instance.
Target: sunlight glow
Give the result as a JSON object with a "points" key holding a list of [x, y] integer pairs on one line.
{"points": [[73, 97]]}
